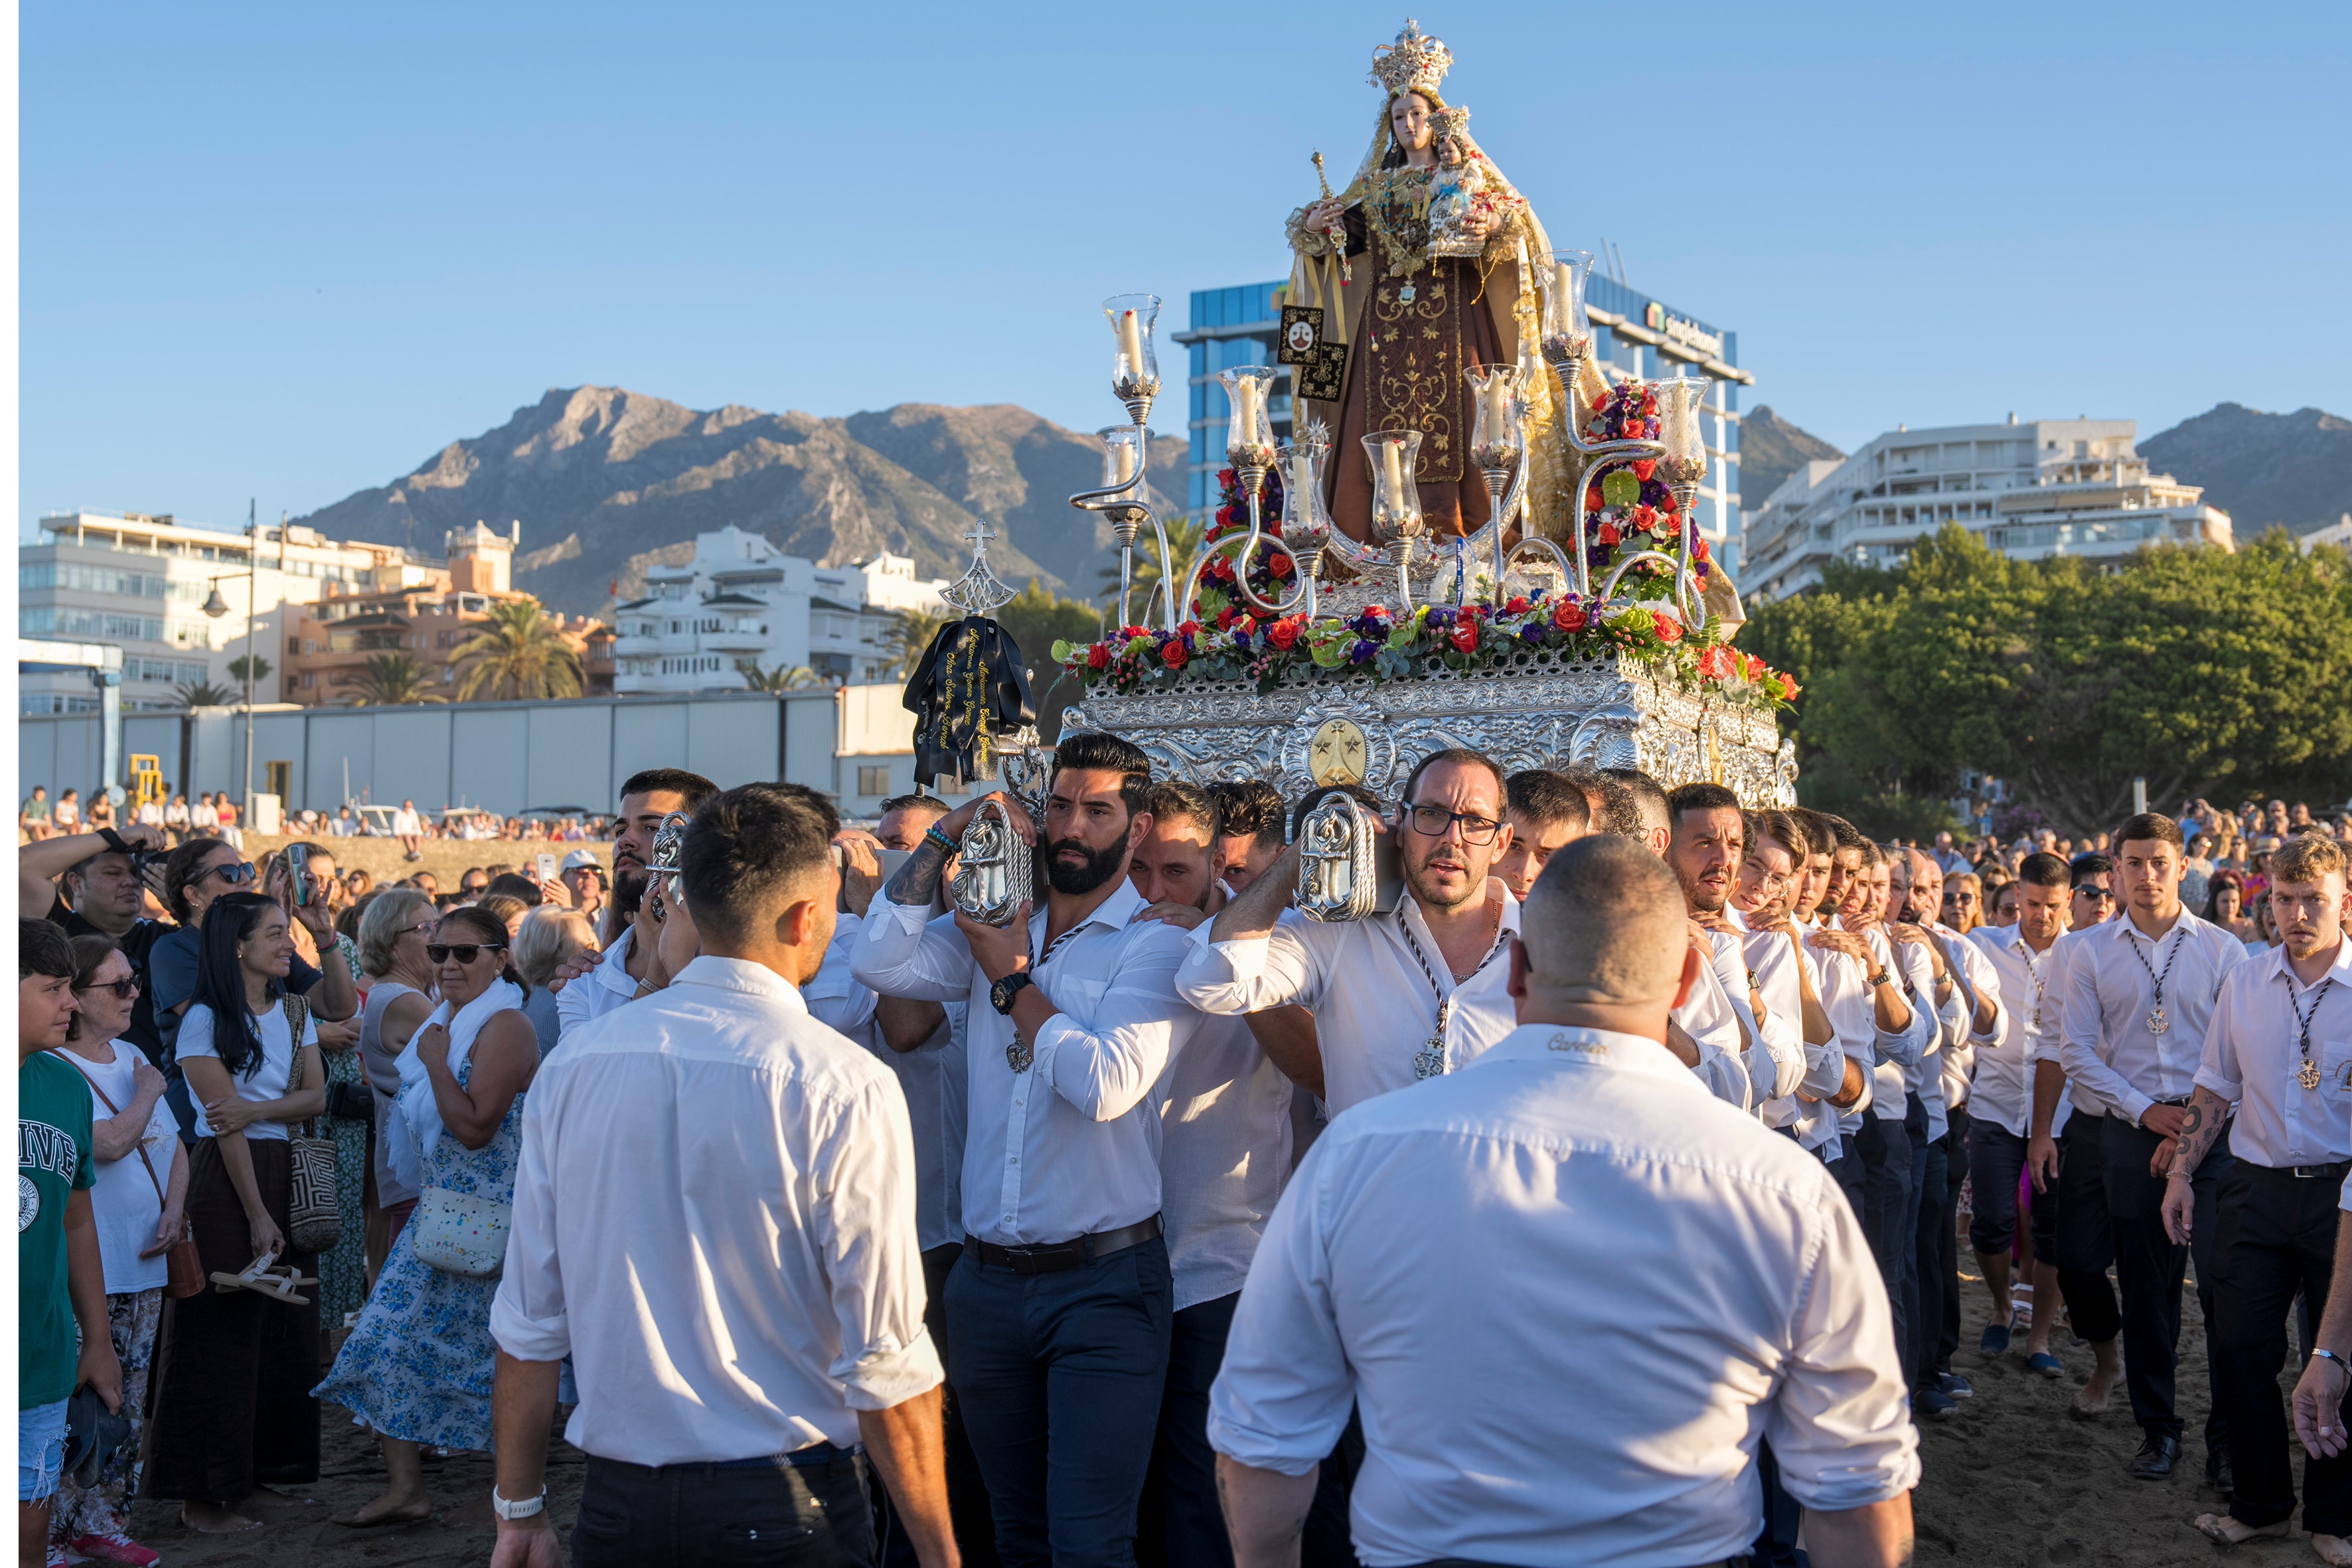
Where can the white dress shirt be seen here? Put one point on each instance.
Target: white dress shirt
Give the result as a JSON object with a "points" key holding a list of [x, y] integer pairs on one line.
{"points": [[835, 997], [1846, 996], [1974, 980], [2000, 1087], [1070, 1146], [1224, 1153], [2110, 992], [1489, 1266], [2047, 1041], [714, 1216], [1781, 967], [1373, 1006], [2253, 1056], [601, 990]]}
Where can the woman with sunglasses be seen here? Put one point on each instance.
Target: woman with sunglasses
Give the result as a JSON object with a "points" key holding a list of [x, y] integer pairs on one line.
{"points": [[418, 1368], [232, 1386], [140, 1194], [1964, 902], [394, 930]]}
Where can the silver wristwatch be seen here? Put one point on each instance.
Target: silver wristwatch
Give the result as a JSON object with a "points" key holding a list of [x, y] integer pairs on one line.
{"points": [[514, 1510]]}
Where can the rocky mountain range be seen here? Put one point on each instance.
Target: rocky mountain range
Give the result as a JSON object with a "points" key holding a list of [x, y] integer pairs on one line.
{"points": [[607, 482], [1771, 450], [2267, 470]]}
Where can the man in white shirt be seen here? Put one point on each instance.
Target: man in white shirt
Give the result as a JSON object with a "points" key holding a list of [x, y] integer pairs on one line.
{"points": [[627, 967], [1492, 1360], [1781, 882], [1706, 842], [2139, 997], [714, 1216], [409, 828], [1058, 1311], [1225, 1155], [1546, 813], [2001, 1108], [1814, 903], [1251, 814], [1396, 998], [1969, 1010], [922, 1044], [2076, 1168], [2280, 1048]]}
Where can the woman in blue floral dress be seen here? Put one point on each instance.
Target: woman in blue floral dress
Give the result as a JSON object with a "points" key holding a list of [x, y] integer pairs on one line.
{"points": [[417, 1368]]}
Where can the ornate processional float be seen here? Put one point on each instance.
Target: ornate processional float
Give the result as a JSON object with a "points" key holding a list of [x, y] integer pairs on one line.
{"points": [[1474, 539]]}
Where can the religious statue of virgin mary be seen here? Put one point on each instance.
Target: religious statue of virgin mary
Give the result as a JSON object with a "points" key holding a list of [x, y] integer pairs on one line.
{"points": [[1427, 263]]}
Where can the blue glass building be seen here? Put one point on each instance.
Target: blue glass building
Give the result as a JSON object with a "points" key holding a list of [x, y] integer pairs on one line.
{"points": [[1634, 336]]}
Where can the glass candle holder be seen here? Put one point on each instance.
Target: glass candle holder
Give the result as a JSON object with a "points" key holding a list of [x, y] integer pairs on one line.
{"points": [[1567, 330], [1497, 438], [1681, 400], [1307, 525], [1135, 370], [1122, 460], [1396, 499], [1249, 428]]}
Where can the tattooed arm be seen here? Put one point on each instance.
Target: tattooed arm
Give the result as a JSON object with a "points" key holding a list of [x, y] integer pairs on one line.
{"points": [[2201, 1129]]}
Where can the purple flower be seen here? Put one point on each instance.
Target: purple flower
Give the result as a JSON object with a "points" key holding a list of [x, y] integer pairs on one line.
{"points": [[1532, 632], [1363, 652]]}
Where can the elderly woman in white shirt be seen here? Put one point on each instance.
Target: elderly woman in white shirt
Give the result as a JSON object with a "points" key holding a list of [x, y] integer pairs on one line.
{"points": [[138, 1203], [419, 1367]]}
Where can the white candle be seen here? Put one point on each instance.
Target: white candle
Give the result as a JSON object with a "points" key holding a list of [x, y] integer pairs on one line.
{"points": [[1562, 282], [1392, 469], [1498, 409], [1302, 473], [1126, 461], [1130, 342], [1245, 414]]}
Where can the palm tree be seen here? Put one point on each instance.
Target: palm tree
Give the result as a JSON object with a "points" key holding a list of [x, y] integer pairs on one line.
{"points": [[783, 678], [913, 635], [521, 652], [237, 667], [1184, 545], [203, 694], [392, 679]]}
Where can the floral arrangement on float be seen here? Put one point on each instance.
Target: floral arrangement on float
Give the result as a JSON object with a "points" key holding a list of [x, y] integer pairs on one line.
{"points": [[1628, 507], [1231, 644], [1272, 573]]}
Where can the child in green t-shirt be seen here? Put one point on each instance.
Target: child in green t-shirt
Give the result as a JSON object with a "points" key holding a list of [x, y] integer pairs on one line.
{"points": [[61, 1283]]}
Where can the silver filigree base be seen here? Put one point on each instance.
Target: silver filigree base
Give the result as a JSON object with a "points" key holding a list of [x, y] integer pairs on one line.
{"points": [[1544, 711]]}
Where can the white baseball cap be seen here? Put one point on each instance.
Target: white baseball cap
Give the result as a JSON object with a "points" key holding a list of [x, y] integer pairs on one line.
{"points": [[579, 858]]}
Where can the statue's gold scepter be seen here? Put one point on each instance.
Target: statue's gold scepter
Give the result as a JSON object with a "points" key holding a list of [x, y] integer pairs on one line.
{"points": [[1336, 231]]}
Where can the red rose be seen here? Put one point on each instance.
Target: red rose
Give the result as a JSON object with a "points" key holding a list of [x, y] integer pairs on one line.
{"points": [[1645, 516], [1099, 657], [1518, 607], [1283, 634], [1715, 662], [1464, 639], [1670, 630], [1592, 497], [1674, 528], [1698, 551], [1644, 467], [1569, 616], [1175, 653], [1225, 619], [1667, 504], [1609, 535], [1279, 564], [1789, 686], [1754, 666]]}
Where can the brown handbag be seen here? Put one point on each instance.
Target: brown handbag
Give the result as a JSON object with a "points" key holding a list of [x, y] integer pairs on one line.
{"points": [[186, 1267]]}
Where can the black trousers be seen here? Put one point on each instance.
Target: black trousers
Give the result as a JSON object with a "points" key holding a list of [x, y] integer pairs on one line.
{"points": [[2086, 1236], [1846, 1169], [1996, 1159], [1955, 1175], [975, 1531], [2276, 1235], [2149, 1270], [1181, 1524], [683, 1516], [1923, 1302], [1888, 1220]]}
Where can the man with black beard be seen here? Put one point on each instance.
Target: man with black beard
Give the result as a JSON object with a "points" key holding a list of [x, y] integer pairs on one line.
{"points": [[629, 966], [1059, 1310]]}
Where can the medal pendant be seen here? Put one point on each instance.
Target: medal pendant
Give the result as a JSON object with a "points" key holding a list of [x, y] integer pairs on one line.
{"points": [[1018, 1053], [1405, 297], [2157, 1023], [2307, 1075], [1430, 1061]]}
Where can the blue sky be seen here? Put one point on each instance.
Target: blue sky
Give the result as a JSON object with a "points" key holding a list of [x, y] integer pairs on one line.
{"points": [[289, 251]]}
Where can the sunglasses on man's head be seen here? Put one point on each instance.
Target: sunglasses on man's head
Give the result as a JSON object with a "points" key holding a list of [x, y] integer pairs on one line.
{"points": [[124, 990], [463, 952]]}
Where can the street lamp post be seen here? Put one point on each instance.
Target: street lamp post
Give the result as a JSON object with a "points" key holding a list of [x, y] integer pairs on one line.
{"points": [[215, 607]]}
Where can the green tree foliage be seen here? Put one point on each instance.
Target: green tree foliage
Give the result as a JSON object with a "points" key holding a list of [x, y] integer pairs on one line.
{"points": [[203, 694], [519, 654], [1037, 620], [782, 677], [260, 666], [1184, 545], [2204, 672], [389, 680]]}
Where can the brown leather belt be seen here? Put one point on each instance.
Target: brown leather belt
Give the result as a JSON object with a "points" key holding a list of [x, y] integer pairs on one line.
{"points": [[1055, 1257]]}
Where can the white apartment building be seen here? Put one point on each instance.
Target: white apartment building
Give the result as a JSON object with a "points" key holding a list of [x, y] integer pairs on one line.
{"points": [[2044, 487], [140, 582], [741, 603]]}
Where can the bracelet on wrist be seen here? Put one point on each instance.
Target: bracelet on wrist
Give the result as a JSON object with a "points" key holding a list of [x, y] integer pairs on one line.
{"points": [[932, 834], [2321, 1352]]}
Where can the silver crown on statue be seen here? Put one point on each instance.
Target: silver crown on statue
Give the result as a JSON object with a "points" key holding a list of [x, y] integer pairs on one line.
{"points": [[1414, 63]]}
